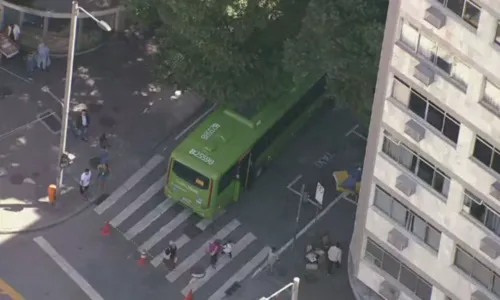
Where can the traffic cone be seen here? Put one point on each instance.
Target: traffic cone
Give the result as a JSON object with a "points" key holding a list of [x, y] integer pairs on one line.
{"points": [[189, 296], [106, 230], [142, 259]]}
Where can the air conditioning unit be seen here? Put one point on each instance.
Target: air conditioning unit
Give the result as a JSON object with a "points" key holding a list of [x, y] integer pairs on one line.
{"points": [[435, 17]]}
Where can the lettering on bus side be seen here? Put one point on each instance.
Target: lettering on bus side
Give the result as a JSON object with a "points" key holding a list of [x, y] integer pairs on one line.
{"points": [[210, 131], [208, 160]]}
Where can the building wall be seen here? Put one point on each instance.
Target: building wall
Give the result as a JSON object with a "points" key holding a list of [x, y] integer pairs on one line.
{"points": [[464, 102]]}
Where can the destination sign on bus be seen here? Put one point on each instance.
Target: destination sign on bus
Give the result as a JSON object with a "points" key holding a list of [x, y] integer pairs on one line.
{"points": [[210, 131], [208, 160]]}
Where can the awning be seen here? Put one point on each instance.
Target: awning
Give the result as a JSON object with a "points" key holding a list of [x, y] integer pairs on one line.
{"points": [[348, 180]]}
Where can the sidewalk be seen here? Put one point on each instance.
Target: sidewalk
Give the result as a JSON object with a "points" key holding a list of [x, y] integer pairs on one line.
{"points": [[115, 84]]}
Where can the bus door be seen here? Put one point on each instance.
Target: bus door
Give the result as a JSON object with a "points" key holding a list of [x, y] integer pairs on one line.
{"points": [[244, 165]]}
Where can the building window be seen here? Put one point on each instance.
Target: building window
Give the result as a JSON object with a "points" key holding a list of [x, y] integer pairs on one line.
{"points": [[477, 270], [476, 208], [398, 270], [438, 55], [491, 96], [407, 218], [416, 164], [425, 109], [497, 35], [468, 10], [487, 154]]}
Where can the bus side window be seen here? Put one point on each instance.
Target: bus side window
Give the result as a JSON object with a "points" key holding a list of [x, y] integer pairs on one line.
{"points": [[227, 178]]}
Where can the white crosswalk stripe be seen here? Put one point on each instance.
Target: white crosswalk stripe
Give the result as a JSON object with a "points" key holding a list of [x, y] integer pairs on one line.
{"points": [[140, 201], [129, 184], [148, 219], [204, 223], [239, 276], [165, 230], [180, 242], [189, 262], [164, 222], [223, 261]]}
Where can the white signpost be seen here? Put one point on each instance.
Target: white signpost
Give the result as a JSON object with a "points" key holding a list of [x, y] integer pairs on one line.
{"points": [[320, 191]]}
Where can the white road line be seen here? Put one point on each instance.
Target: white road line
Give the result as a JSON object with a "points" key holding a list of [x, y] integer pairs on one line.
{"points": [[148, 219], [137, 203], [359, 135], [203, 224], [350, 201], [17, 76], [68, 269], [189, 262], [352, 130], [129, 184], [290, 188], [180, 242], [194, 122], [224, 261], [305, 228], [241, 274], [165, 230]]}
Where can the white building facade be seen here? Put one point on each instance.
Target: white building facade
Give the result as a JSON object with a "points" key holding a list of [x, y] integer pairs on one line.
{"points": [[428, 217]]}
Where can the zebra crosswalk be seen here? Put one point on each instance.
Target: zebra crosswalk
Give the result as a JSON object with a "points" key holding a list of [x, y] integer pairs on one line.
{"points": [[139, 210]]}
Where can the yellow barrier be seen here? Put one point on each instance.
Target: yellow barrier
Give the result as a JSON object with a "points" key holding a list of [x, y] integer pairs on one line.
{"points": [[6, 289]]}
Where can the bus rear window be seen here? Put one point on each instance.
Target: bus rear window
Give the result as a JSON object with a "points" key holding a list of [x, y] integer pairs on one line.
{"points": [[190, 175]]}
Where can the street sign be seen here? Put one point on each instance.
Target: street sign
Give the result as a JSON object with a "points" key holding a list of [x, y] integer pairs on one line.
{"points": [[320, 191]]}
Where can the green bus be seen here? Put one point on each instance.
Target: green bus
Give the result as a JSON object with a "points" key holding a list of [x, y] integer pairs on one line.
{"points": [[227, 151]]}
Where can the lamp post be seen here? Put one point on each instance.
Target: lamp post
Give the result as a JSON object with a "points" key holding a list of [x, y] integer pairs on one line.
{"points": [[69, 78]]}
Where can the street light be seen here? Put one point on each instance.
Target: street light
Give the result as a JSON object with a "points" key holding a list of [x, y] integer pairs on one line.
{"points": [[69, 78]]}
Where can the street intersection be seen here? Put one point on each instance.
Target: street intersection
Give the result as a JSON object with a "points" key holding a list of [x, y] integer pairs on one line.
{"points": [[74, 261]]}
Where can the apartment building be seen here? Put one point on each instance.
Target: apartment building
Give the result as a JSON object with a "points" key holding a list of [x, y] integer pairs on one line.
{"points": [[428, 217]]}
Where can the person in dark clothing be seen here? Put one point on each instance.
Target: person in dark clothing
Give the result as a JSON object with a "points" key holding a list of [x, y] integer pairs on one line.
{"points": [[171, 255], [82, 124], [214, 250]]}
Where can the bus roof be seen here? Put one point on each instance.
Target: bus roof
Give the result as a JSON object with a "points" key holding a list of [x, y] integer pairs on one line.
{"points": [[224, 136]]}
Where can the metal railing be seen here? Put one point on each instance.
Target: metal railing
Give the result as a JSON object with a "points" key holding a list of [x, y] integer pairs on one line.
{"points": [[294, 286]]}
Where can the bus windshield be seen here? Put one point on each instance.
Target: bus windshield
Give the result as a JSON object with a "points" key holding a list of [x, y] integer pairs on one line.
{"points": [[190, 175]]}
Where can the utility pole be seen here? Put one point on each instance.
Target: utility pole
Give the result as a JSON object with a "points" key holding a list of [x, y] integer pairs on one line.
{"points": [[303, 196]]}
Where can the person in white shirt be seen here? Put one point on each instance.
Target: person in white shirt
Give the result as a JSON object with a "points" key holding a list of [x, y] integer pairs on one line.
{"points": [[334, 257], [85, 181], [227, 248]]}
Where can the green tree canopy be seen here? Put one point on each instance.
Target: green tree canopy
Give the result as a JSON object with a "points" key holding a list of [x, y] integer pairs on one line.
{"points": [[230, 51], [245, 52], [341, 38]]}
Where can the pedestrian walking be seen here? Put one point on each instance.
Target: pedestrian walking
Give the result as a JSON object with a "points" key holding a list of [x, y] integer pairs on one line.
{"points": [[272, 258], [213, 250], [170, 259], [102, 175], [334, 257], [227, 248], [85, 182], [82, 124]]}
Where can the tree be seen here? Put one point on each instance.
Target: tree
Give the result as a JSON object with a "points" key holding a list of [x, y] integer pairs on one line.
{"points": [[343, 39], [229, 51]]}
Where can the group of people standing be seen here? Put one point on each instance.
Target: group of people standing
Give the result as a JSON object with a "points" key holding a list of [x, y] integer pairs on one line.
{"points": [[214, 250]]}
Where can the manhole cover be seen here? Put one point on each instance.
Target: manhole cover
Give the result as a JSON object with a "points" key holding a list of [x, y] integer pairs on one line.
{"points": [[5, 91], [94, 107], [116, 109], [192, 231], [107, 121], [51, 121], [94, 162], [17, 178]]}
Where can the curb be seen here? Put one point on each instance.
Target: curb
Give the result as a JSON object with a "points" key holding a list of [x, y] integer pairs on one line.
{"points": [[51, 224]]}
